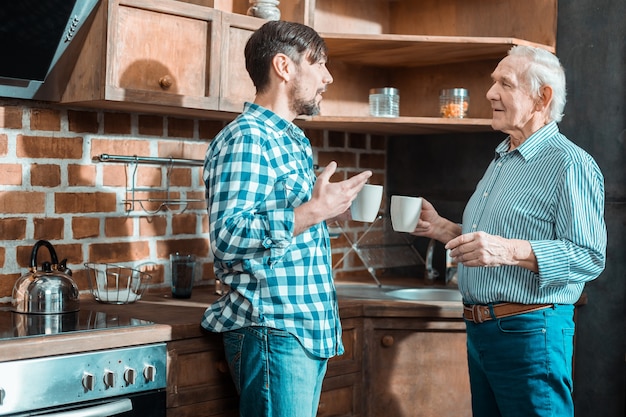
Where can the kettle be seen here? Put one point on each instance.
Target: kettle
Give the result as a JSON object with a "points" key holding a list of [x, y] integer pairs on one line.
{"points": [[50, 290]]}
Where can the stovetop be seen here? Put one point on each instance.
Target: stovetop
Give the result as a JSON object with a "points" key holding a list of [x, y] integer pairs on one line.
{"points": [[18, 325]]}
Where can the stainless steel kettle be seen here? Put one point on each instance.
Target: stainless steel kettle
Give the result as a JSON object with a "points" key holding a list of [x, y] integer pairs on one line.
{"points": [[50, 290]]}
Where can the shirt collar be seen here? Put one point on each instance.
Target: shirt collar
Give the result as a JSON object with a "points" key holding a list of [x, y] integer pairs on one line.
{"points": [[271, 119], [531, 146]]}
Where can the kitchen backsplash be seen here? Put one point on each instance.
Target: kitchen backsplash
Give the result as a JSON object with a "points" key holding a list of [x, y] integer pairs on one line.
{"points": [[54, 187]]}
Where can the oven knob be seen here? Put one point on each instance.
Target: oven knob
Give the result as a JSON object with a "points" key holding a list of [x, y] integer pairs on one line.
{"points": [[89, 382], [149, 372], [109, 379], [129, 376]]}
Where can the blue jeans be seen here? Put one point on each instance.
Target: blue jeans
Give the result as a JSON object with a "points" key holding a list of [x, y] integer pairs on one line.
{"points": [[274, 375], [522, 365]]}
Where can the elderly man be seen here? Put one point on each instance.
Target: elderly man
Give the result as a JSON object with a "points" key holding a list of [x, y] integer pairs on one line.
{"points": [[533, 234]]}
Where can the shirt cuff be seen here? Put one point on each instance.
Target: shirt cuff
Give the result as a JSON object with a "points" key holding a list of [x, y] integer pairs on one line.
{"points": [[280, 233], [552, 262]]}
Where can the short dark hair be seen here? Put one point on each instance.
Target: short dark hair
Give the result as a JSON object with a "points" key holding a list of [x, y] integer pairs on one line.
{"points": [[277, 36]]}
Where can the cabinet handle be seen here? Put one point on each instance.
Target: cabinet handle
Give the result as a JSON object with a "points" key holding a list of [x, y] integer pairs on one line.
{"points": [[387, 341], [222, 366], [165, 82]]}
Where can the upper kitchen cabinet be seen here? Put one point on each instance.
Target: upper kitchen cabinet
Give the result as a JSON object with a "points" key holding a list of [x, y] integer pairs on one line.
{"points": [[153, 55]]}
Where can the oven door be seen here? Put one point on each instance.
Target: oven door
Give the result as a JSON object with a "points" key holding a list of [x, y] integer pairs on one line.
{"points": [[146, 404]]}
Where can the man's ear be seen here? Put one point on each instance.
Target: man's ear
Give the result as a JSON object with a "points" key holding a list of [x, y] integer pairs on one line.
{"points": [[282, 66], [545, 96]]}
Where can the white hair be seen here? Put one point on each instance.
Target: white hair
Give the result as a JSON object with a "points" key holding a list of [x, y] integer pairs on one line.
{"points": [[544, 69]]}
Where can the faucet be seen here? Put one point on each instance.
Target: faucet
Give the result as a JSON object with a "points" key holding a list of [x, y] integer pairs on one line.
{"points": [[430, 272]]}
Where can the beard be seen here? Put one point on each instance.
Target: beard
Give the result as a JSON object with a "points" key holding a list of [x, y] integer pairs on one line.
{"points": [[304, 107]]}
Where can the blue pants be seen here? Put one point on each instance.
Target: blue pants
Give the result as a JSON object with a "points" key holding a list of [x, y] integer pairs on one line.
{"points": [[274, 375], [522, 365]]}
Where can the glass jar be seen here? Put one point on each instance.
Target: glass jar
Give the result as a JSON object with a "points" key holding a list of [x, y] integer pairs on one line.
{"points": [[454, 103], [384, 102]]}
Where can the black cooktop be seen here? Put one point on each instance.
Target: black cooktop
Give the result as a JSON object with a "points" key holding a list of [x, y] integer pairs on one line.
{"points": [[15, 325]]}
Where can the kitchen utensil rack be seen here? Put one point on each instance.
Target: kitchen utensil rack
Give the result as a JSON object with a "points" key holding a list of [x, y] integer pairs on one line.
{"points": [[379, 246], [165, 204]]}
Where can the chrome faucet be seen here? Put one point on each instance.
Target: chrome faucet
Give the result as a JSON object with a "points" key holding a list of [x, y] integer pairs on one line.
{"points": [[430, 272]]}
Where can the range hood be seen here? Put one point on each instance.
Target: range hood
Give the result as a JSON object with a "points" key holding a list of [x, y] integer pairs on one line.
{"points": [[39, 39]]}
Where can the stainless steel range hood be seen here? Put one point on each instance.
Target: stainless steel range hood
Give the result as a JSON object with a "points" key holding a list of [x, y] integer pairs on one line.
{"points": [[39, 39]]}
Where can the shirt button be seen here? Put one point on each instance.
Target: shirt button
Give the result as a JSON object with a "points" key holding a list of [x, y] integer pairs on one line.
{"points": [[485, 194], [474, 226]]}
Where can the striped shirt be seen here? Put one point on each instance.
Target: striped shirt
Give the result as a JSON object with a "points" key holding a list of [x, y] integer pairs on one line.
{"points": [[547, 191], [256, 171]]}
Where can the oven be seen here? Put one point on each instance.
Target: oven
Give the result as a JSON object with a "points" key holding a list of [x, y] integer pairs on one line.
{"points": [[125, 381]]}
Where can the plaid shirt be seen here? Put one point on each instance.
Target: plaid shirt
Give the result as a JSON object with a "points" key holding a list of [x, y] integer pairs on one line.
{"points": [[256, 171]]}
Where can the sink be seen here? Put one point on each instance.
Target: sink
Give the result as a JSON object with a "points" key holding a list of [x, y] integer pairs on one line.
{"points": [[426, 294], [387, 292]]}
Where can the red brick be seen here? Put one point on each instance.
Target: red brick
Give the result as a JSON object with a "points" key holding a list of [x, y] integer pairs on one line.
{"points": [[196, 246], [45, 175], [85, 227], [118, 252], [72, 252], [118, 227], [81, 175], [179, 128], [117, 123], [344, 159], [180, 177], [11, 117], [45, 119], [152, 226], [357, 140], [12, 229], [148, 176], [48, 228], [49, 147], [186, 150], [7, 282], [184, 224], [200, 204], [82, 121], [98, 202], [378, 142], [116, 175], [150, 125], [316, 137], [22, 202], [208, 129], [372, 161], [11, 174], [4, 144], [336, 139], [119, 147]]}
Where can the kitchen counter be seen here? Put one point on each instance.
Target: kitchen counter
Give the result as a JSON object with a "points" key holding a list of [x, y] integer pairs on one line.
{"points": [[177, 319]]}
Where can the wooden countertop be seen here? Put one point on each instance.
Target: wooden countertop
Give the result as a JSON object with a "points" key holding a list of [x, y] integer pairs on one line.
{"points": [[180, 319]]}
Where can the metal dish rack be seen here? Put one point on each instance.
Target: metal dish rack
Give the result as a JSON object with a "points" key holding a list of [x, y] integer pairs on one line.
{"points": [[382, 247]]}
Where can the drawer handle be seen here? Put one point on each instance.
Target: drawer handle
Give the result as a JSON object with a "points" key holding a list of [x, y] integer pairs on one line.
{"points": [[387, 341], [165, 82]]}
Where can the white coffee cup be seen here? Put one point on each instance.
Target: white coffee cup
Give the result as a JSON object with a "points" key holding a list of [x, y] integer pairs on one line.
{"points": [[365, 206], [405, 212]]}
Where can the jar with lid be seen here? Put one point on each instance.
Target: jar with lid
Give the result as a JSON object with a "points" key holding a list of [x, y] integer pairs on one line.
{"points": [[384, 102], [454, 103]]}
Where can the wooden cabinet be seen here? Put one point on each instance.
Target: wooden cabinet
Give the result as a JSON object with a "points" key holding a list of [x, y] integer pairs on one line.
{"points": [[416, 368], [154, 55], [342, 391], [198, 380], [417, 47]]}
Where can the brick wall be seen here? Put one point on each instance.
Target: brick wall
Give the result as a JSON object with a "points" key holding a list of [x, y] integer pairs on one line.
{"points": [[52, 187]]}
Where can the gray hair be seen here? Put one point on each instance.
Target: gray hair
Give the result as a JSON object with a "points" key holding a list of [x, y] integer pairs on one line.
{"points": [[544, 69]]}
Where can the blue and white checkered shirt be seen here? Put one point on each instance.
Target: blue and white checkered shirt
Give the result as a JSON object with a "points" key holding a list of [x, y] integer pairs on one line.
{"points": [[256, 171], [550, 192]]}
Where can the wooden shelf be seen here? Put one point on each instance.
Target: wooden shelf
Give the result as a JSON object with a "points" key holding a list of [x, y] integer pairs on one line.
{"points": [[396, 125], [417, 51]]}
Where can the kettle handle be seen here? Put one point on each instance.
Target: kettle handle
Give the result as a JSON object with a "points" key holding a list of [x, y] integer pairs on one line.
{"points": [[33, 256]]}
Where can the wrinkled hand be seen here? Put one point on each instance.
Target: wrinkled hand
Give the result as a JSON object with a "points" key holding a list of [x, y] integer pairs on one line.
{"points": [[426, 226], [482, 249]]}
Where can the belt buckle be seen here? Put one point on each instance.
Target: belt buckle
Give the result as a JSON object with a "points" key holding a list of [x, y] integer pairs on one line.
{"points": [[477, 314]]}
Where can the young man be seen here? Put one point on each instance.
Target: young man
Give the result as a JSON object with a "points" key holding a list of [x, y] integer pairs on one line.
{"points": [[267, 214]]}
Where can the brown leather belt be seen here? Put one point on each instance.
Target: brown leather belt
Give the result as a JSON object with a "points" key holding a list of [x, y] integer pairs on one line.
{"points": [[479, 313]]}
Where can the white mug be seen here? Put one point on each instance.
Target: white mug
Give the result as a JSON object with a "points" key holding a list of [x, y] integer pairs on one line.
{"points": [[405, 212], [365, 206]]}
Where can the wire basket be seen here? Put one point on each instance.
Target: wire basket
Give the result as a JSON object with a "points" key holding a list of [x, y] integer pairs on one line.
{"points": [[115, 284]]}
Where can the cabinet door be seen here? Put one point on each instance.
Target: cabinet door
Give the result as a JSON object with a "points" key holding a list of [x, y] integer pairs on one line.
{"points": [[235, 84], [198, 380], [158, 52], [419, 371]]}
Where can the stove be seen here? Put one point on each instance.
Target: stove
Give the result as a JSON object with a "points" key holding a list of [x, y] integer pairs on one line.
{"points": [[127, 381]]}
